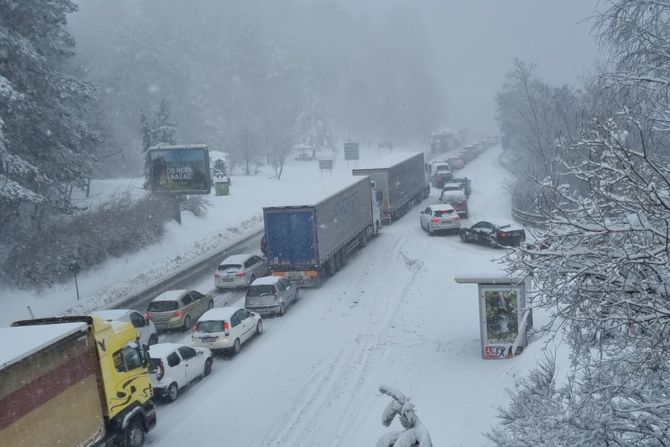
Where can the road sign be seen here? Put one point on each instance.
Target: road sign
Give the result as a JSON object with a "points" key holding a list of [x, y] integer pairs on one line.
{"points": [[351, 151], [326, 165]]}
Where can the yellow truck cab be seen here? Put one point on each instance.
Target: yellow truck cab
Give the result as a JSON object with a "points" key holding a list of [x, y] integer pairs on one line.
{"points": [[74, 381]]}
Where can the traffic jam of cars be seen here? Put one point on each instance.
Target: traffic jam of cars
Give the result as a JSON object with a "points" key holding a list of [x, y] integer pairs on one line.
{"points": [[216, 330]]}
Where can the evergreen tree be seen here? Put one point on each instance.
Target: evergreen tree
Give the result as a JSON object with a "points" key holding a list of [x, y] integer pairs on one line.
{"points": [[159, 131]]}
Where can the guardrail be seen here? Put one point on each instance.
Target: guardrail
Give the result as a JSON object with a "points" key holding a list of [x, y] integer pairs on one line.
{"points": [[527, 218], [188, 273]]}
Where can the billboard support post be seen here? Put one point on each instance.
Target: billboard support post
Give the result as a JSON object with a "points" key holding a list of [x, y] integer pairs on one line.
{"points": [[504, 318]]}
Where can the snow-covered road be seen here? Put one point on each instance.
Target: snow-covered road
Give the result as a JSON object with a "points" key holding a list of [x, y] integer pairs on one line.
{"points": [[393, 315]]}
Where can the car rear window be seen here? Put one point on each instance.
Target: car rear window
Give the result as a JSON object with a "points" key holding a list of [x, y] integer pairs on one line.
{"points": [[163, 306], [224, 267], [153, 364], [439, 213], [261, 290], [210, 326]]}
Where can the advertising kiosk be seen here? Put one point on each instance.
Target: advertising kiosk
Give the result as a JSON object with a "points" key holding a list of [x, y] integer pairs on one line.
{"points": [[504, 319]]}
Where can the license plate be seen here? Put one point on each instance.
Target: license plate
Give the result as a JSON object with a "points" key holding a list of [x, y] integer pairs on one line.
{"points": [[293, 275], [208, 339]]}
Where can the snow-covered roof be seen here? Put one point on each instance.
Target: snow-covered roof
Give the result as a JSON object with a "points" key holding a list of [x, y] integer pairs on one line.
{"points": [[219, 313], [236, 259], [321, 190], [506, 224], [451, 185], [20, 342], [442, 207], [266, 280], [170, 295], [111, 314], [160, 350], [456, 194], [386, 161]]}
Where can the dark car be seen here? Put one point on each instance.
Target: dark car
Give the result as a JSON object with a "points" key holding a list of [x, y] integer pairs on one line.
{"points": [[494, 234]]}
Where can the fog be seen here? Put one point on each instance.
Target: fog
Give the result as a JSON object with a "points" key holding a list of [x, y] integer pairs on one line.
{"points": [[245, 77]]}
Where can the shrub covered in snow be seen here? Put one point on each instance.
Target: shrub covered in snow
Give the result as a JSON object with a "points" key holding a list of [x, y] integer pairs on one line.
{"points": [[414, 433]]}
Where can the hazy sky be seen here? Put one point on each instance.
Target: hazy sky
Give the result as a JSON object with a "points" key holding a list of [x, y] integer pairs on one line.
{"points": [[476, 42]]}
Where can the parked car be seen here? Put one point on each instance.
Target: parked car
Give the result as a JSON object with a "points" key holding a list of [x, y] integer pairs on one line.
{"points": [[271, 295], [453, 195], [494, 234], [144, 326], [439, 218], [177, 309], [173, 366], [239, 271], [226, 328]]}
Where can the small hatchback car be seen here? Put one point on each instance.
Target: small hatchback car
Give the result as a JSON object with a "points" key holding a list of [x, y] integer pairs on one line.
{"points": [[271, 295], [239, 271], [226, 328], [173, 366], [177, 309]]}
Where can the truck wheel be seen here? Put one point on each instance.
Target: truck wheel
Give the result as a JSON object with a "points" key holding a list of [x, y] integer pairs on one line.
{"points": [[364, 240], [135, 434], [379, 227], [172, 392]]}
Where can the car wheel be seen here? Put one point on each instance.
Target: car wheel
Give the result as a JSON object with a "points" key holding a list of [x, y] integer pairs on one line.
{"points": [[430, 231], [172, 392], [187, 323], [210, 305], [259, 327], [492, 242], [252, 279], [135, 434], [208, 367], [153, 339], [463, 236], [297, 294], [237, 346], [282, 309]]}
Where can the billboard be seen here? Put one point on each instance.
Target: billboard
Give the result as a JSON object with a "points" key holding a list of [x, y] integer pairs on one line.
{"points": [[351, 151], [179, 169], [501, 306]]}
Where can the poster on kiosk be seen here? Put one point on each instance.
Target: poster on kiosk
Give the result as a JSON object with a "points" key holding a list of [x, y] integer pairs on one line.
{"points": [[500, 306]]}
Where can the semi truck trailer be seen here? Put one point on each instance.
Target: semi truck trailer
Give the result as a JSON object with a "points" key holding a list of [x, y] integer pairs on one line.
{"points": [[308, 242], [401, 179], [73, 381]]}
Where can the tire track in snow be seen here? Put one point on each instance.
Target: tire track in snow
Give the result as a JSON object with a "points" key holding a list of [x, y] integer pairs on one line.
{"points": [[337, 382]]}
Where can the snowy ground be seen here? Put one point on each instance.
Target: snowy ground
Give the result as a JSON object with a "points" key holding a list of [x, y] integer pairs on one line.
{"points": [[393, 315]]}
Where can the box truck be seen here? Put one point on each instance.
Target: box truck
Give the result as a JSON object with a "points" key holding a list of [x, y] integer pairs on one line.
{"points": [[401, 179], [307, 242], [73, 381]]}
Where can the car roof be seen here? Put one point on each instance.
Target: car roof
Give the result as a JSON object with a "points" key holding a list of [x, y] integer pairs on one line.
{"points": [[442, 207], [163, 349], [112, 314], [266, 280], [171, 295], [502, 223], [452, 185], [236, 259], [219, 313]]}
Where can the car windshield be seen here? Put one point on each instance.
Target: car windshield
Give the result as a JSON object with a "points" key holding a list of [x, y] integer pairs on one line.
{"points": [[261, 290], [224, 267], [163, 306], [210, 326]]}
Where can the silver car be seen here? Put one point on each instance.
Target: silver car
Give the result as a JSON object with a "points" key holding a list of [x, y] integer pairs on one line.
{"points": [[270, 295], [439, 218], [177, 309], [239, 271]]}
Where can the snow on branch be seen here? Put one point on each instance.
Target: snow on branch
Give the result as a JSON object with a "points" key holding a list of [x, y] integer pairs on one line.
{"points": [[415, 434]]}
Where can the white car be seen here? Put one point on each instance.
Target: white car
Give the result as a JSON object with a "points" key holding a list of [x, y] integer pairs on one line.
{"points": [[173, 366], [226, 328], [144, 326], [239, 271], [439, 218]]}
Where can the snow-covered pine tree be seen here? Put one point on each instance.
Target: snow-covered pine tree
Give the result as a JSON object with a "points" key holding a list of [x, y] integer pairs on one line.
{"points": [[45, 140], [414, 433], [159, 130]]}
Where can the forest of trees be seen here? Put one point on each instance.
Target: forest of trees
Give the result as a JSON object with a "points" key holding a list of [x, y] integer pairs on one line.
{"points": [[598, 186], [87, 87]]}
